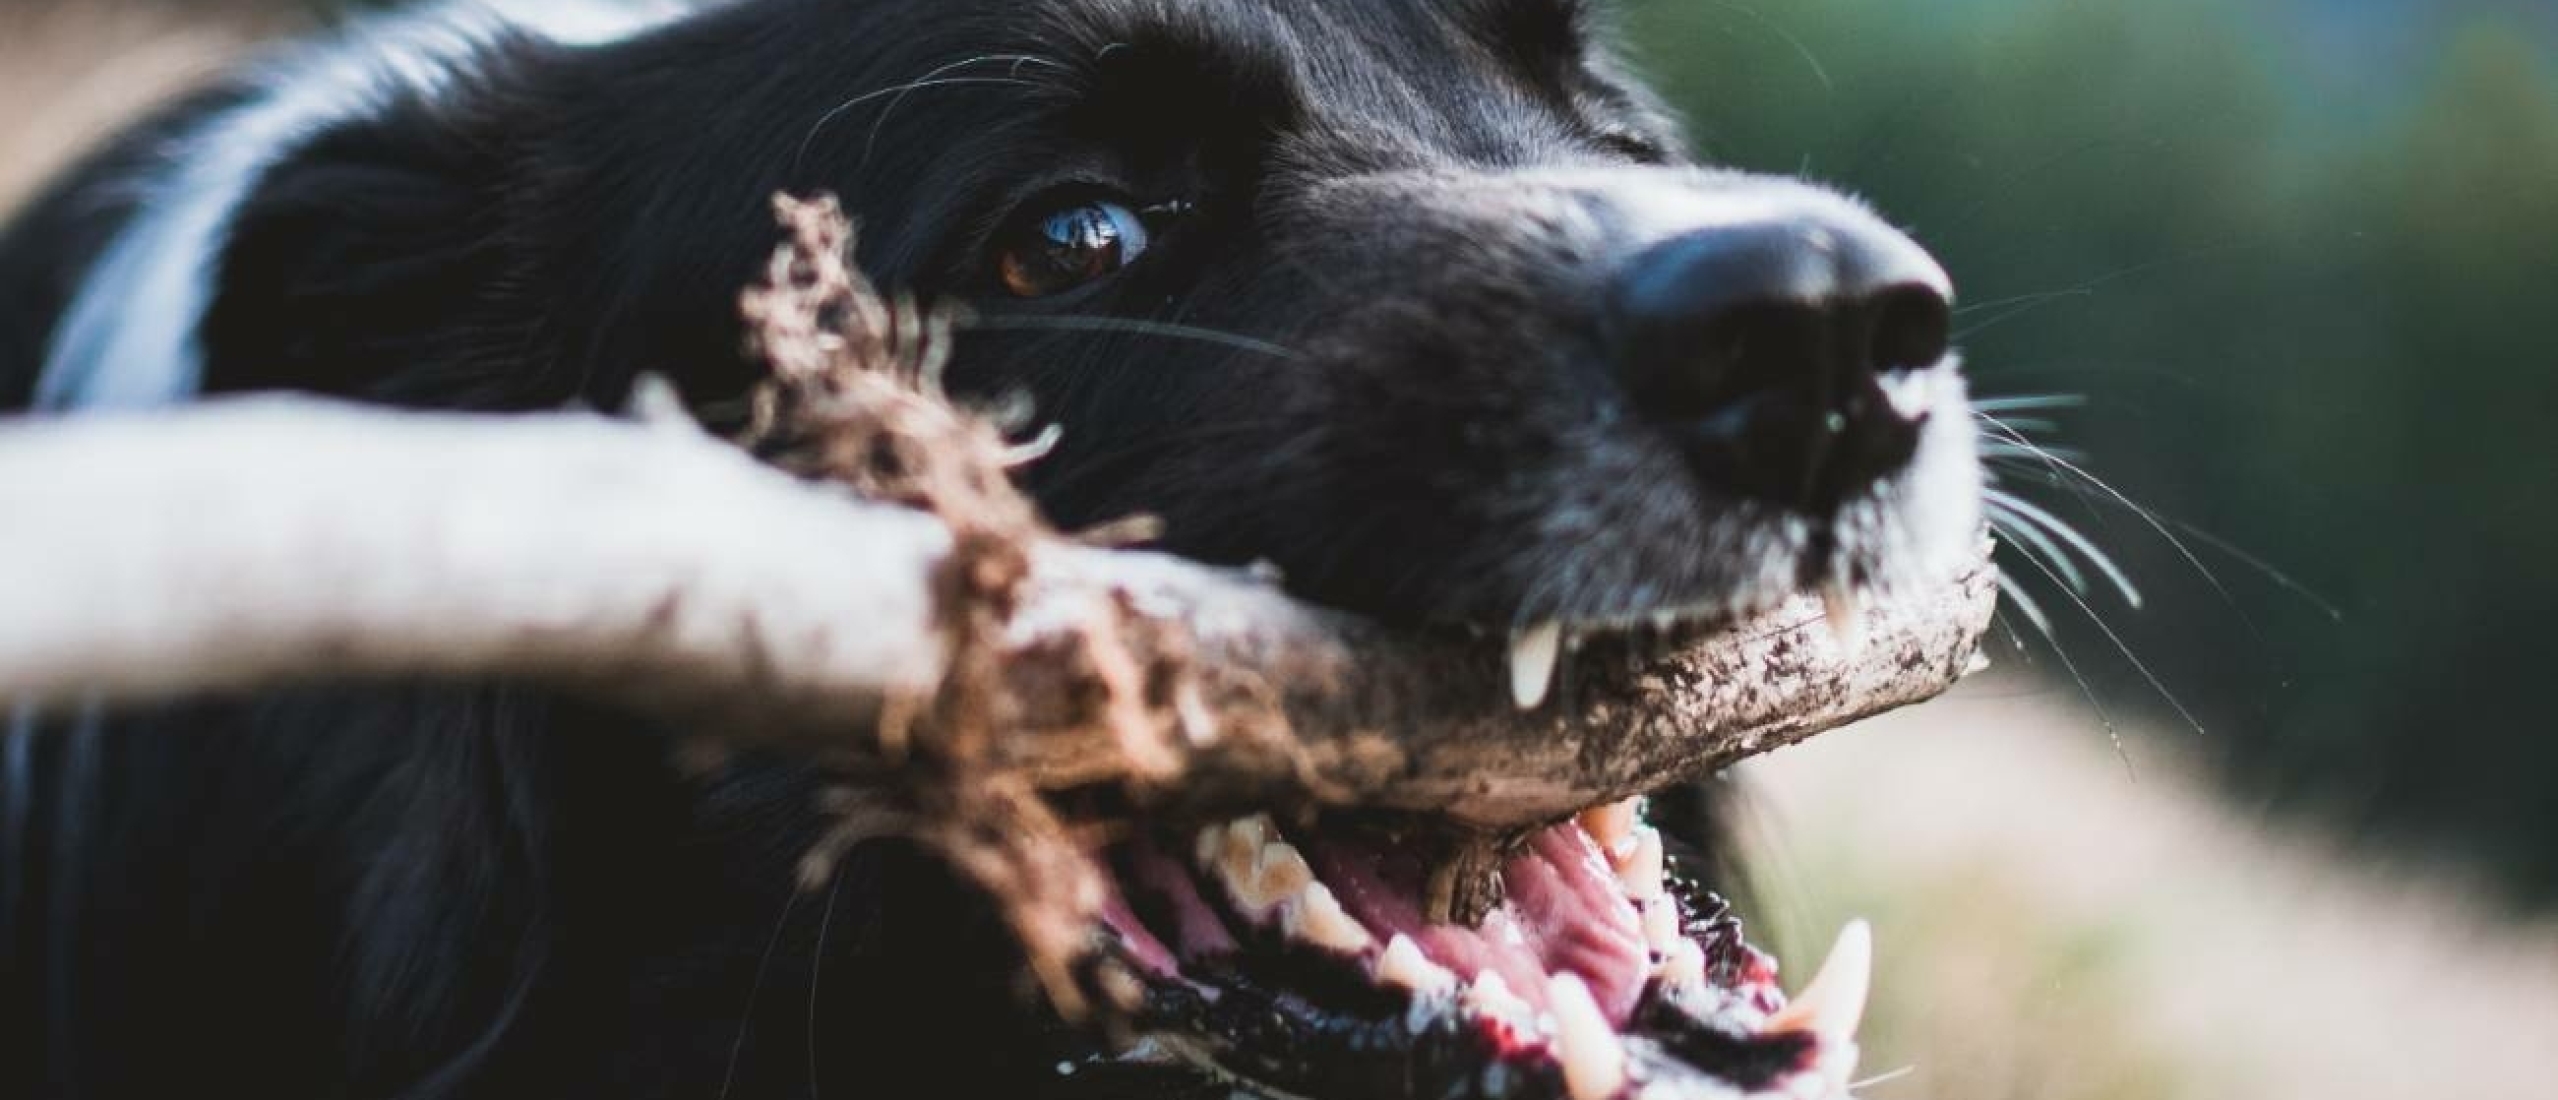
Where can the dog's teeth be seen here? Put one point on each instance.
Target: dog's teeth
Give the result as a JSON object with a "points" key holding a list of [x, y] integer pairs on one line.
{"points": [[1313, 915], [1490, 997], [1585, 1043], [1661, 930], [1665, 621], [1847, 617], [1645, 869], [1211, 841], [1612, 826], [1911, 393], [1533, 655], [1255, 830], [1276, 873], [1282, 871], [1403, 966], [1258, 869], [1682, 966], [1832, 1005]]}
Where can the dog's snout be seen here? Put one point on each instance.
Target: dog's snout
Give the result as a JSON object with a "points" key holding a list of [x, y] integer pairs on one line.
{"points": [[1772, 351]]}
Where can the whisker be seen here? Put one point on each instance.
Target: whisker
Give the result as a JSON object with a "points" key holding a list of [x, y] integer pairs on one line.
{"points": [[2125, 649], [870, 142], [755, 994], [817, 973], [1810, 60], [2260, 565], [806, 143], [2028, 606], [2034, 299], [2023, 425], [2015, 593], [2030, 402], [2027, 539], [2029, 303], [2031, 513], [2266, 569], [2048, 459], [1882, 1079], [2015, 638], [2155, 524], [2008, 456], [1088, 468], [1132, 326]]}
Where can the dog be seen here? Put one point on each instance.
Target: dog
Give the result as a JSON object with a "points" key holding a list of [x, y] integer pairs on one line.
{"points": [[1422, 303]]}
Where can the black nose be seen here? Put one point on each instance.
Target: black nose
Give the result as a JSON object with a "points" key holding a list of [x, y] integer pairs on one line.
{"points": [[1766, 349]]}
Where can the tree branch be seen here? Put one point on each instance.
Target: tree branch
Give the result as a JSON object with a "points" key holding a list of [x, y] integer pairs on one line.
{"points": [[277, 542]]}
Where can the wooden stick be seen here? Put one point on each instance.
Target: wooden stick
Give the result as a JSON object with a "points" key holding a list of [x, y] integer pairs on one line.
{"points": [[251, 545]]}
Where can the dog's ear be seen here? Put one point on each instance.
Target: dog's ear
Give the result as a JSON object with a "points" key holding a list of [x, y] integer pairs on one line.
{"points": [[376, 261]]}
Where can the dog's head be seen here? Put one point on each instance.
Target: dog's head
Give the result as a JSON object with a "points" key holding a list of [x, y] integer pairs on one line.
{"points": [[1422, 303], [1419, 301], [1424, 306]]}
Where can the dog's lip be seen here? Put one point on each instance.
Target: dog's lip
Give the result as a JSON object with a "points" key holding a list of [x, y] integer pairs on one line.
{"points": [[1295, 970]]}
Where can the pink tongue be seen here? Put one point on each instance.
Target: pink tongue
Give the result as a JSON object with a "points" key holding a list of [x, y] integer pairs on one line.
{"points": [[1565, 912]]}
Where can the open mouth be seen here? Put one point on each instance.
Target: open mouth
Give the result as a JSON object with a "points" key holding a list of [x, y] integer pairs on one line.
{"points": [[1361, 959]]}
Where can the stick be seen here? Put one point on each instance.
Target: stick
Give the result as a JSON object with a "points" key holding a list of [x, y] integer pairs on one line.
{"points": [[274, 542]]}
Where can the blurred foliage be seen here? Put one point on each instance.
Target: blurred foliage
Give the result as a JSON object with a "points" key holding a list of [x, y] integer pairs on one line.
{"points": [[2297, 257]]}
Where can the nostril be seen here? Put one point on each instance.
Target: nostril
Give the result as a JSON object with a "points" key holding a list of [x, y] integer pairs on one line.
{"points": [[1763, 350], [1913, 328]]}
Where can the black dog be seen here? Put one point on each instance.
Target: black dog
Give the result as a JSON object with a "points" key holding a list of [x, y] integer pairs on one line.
{"points": [[1418, 300]]}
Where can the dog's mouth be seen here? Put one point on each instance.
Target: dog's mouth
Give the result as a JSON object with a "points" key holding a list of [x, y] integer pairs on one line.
{"points": [[1365, 959]]}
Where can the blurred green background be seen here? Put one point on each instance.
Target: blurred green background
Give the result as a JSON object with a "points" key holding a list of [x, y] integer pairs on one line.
{"points": [[2301, 260]]}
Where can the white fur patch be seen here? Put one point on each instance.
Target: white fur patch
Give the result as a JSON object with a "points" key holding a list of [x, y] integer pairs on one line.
{"points": [[130, 338]]}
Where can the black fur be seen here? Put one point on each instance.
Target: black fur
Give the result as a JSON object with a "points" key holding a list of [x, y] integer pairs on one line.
{"points": [[1376, 352]]}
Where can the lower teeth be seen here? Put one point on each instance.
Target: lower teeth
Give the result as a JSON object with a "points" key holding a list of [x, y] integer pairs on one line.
{"points": [[1715, 1044]]}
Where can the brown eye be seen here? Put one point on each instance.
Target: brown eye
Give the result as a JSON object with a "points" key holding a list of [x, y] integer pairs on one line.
{"points": [[1070, 248]]}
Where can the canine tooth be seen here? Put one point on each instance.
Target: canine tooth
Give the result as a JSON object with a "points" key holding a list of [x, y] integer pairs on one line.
{"points": [[1833, 1003], [1645, 869], [1912, 395], [1255, 830], [1405, 967], [1661, 931], [1533, 655], [1612, 826], [1847, 617], [1585, 1043], [1315, 916]]}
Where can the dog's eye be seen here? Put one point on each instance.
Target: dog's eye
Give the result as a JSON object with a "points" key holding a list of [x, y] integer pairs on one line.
{"points": [[1066, 249]]}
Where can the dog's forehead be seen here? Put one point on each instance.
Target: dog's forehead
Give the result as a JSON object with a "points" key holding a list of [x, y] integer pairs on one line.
{"points": [[1415, 79]]}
